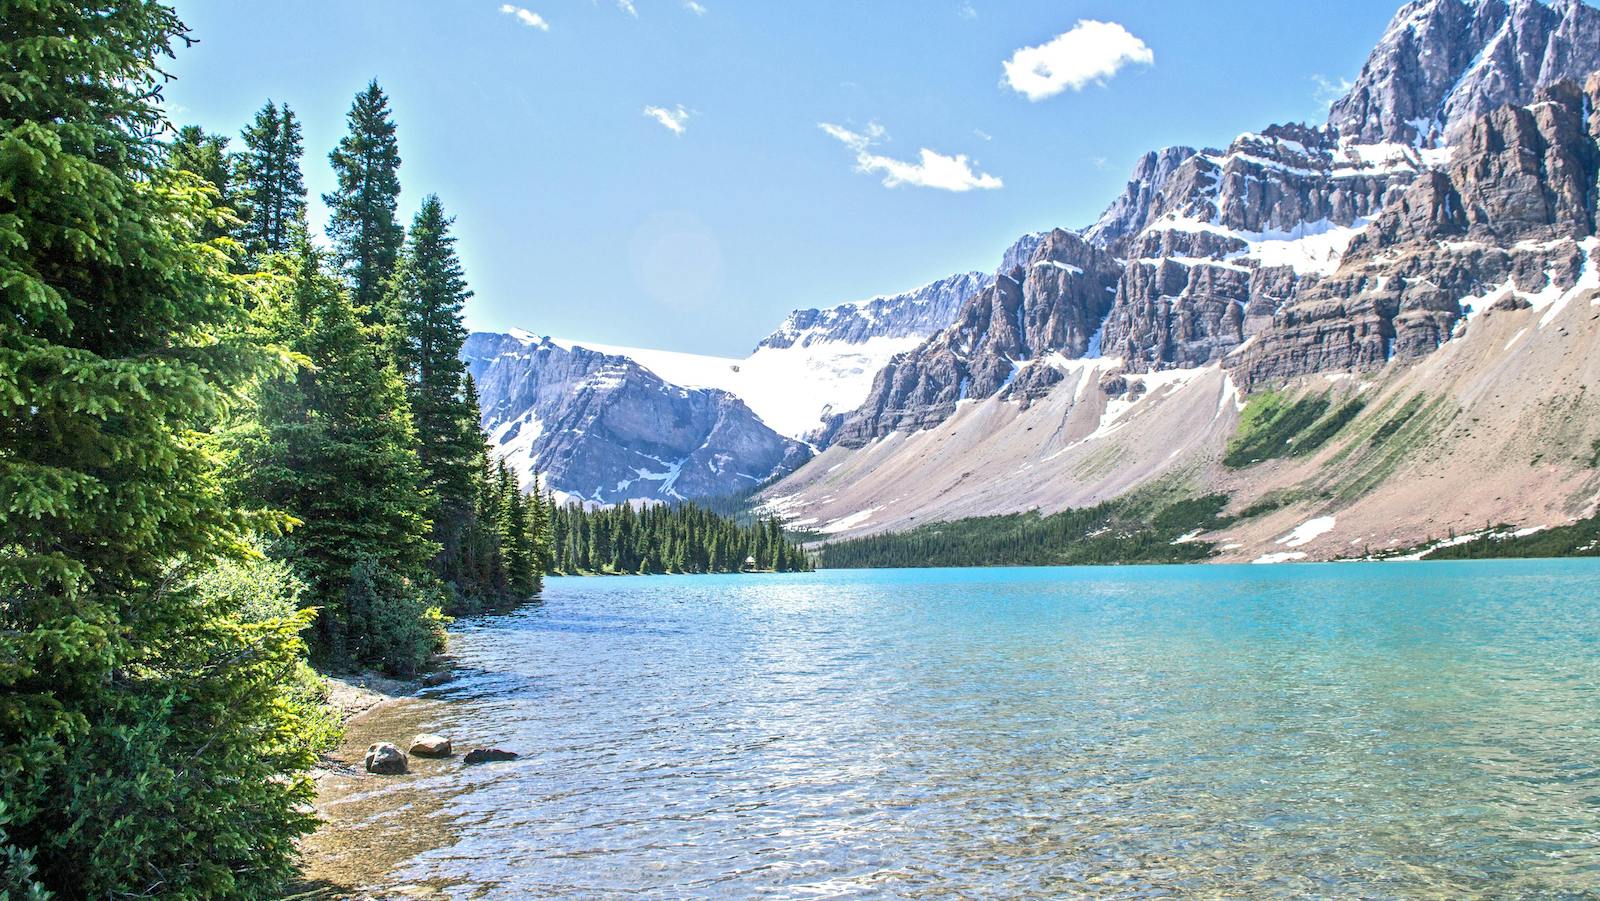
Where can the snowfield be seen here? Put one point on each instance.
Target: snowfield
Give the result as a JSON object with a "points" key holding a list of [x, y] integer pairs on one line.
{"points": [[790, 388]]}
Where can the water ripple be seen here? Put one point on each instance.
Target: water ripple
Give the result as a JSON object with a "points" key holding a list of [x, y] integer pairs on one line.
{"points": [[1371, 731]]}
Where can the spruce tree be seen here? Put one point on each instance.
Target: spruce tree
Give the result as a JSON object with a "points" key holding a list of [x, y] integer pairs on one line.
{"points": [[333, 446], [271, 189], [143, 747], [366, 235], [430, 290], [205, 155]]}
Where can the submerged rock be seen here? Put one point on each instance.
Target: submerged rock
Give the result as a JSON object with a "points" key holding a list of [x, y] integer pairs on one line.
{"points": [[430, 745], [489, 755], [385, 759]]}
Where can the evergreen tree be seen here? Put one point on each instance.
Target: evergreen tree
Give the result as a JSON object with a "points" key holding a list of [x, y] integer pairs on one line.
{"points": [[366, 235], [205, 155], [539, 533], [272, 190], [430, 290], [333, 445], [684, 538], [144, 744]]}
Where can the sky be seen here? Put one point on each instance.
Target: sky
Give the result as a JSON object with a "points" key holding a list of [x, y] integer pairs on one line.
{"points": [[681, 174]]}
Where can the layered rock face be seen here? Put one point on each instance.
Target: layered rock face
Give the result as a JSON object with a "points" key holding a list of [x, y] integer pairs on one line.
{"points": [[1139, 202], [1443, 63], [916, 313], [1506, 220], [1052, 304], [1230, 235], [605, 429]]}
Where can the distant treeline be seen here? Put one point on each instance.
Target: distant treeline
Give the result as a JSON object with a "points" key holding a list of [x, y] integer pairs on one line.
{"points": [[1126, 530], [684, 538], [1579, 539]]}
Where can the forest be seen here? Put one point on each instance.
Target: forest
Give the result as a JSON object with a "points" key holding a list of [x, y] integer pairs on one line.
{"points": [[234, 452], [1140, 528], [230, 452], [682, 538]]}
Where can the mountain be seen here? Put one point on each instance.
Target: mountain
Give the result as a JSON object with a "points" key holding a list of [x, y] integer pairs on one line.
{"points": [[1364, 296], [589, 416], [1051, 304], [1443, 63], [603, 429]]}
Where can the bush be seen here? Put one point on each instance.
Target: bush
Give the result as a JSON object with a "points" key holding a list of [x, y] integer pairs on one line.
{"points": [[192, 779], [395, 624]]}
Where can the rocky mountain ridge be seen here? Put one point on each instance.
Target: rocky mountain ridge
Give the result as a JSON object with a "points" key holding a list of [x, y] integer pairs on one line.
{"points": [[1419, 288], [602, 429], [1443, 63], [611, 424], [914, 314], [1214, 244]]}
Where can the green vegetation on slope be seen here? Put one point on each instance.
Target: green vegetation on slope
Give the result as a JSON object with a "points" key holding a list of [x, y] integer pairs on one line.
{"points": [[1272, 427], [1580, 539], [1136, 529]]}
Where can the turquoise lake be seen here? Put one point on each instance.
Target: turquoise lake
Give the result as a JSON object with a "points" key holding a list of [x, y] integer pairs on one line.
{"points": [[1386, 730]]}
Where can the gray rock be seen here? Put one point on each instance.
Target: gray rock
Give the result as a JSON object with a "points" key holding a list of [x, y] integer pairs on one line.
{"points": [[428, 744], [384, 759], [1521, 186], [1054, 303]]}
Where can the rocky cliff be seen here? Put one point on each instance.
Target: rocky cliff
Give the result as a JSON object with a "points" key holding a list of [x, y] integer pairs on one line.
{"points": [[1443, 63], [1053, 303], [1217, 246], [1505, 221]]}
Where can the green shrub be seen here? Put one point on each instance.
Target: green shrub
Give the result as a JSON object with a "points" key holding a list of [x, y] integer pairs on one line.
{"points": [[395, 623]]}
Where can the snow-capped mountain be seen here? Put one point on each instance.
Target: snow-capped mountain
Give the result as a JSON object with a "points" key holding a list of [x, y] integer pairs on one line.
{"points": [[533, 388], [1443, 63], [1334, 261], [601, 428]]}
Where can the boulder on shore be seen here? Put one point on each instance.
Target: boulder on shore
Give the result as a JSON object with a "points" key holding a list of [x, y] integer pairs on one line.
{"points": [[385, 759], [489, 755], [430, 745]]}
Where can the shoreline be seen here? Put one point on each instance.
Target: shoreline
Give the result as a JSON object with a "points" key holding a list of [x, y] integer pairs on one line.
{"points": [[354, 695]]}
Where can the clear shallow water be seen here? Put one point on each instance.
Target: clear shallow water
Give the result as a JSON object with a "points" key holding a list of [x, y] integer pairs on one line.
{"points": [[1356, 730]]}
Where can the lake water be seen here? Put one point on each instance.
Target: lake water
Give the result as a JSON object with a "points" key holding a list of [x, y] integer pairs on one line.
{"points": [[1351, 730]]}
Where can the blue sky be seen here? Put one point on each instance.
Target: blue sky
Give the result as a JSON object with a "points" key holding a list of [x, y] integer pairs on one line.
{"points": [[657, 173]]}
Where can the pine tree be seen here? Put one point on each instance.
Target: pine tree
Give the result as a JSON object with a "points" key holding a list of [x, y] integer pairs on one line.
{"points": [[363, 227], [271, 190], [539, 533], [334, 447], [143, 746]]}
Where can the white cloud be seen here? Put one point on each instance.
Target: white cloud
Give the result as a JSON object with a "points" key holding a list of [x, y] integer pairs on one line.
{"points": [[931, 170], [982, 135], [1328, 90], [694, 7], [526, 16], [627, 7], [675, 120], [966, 11], [1091, 52]]}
